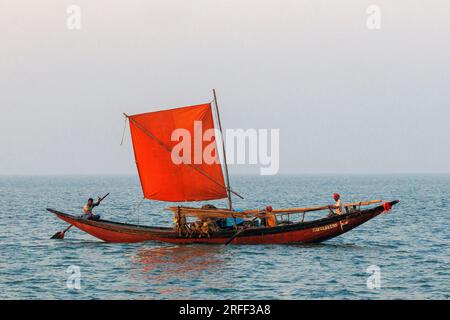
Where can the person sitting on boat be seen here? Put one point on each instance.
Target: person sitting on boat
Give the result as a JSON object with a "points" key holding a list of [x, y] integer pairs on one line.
{"points": [[87, 210], [269, 219], [181, 225], [208, 227], [339, 206]]}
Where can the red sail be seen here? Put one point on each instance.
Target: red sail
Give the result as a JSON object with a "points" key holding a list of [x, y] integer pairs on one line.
{"points": [[162, 178]]}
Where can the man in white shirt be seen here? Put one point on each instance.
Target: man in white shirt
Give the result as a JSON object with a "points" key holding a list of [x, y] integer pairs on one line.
{"points": [[339, 206]]}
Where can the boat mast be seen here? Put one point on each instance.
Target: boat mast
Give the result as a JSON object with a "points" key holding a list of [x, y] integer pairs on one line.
{"points": [[227, 178]]}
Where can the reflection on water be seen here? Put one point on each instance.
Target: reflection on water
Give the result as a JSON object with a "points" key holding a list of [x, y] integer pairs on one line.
{"points": [[178, 262]]}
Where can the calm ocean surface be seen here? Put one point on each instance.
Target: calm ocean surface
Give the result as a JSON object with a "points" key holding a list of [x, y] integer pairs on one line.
{"points": [[410, 244]]}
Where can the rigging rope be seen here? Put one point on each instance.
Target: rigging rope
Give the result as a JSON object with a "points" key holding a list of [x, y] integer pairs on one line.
{"points": [[124, 128], [136, 208]]}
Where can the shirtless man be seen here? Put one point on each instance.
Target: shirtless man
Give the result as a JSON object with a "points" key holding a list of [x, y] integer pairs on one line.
{"points": [[87, 210]]}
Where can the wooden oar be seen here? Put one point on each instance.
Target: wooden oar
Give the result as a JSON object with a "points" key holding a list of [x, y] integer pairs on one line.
{"points": [[60, 234], [237, 233], [234, 236]]}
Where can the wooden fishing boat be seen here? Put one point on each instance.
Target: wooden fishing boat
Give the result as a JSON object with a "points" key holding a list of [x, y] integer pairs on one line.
{"points": [[173, 169], [284, 233]]}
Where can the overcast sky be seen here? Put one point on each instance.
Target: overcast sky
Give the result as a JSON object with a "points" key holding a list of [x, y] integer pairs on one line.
{"points": [[345, 98]]}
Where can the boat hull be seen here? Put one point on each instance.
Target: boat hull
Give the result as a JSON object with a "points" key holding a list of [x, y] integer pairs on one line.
{"points": [[301, 232]]}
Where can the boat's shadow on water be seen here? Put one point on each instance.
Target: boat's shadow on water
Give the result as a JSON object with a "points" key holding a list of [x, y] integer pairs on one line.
{"points": [[182, 262], [188, 260], [329, 245]]}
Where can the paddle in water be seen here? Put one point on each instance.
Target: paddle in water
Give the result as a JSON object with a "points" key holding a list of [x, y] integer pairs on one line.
{"points": [[60, 234]]}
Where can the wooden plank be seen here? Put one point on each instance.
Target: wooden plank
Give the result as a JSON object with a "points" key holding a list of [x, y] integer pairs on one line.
{"points": [[317, 208], [211, 213], [224, 213]]}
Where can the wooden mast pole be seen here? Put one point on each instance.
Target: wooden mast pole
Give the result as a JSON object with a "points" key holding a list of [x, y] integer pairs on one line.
{"points": [[227, 178]]}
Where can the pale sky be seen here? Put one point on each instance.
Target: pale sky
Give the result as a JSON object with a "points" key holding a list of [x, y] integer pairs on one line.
{"points": [[345, 98]]}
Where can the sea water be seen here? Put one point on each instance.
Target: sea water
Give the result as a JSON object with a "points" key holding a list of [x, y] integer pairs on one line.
{"points": [[403, 254]]}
